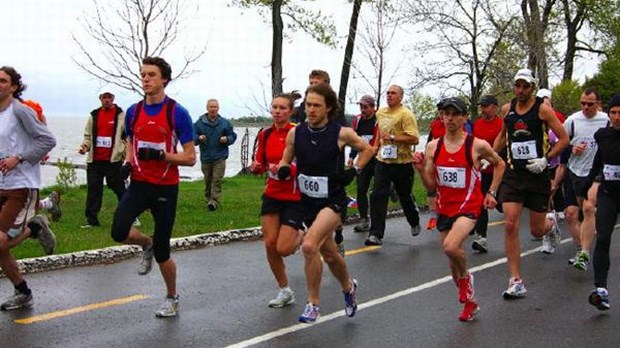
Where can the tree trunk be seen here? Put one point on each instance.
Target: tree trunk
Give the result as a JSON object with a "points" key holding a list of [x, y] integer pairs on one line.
{"points": [[276, 48], [573, 25], [535, 26], [348, 56]]}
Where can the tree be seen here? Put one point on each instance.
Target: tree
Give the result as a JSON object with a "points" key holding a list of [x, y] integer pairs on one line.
{"points": [[536, 23], [376, 40], [298, 17], [348, 54], [118, 38], [466, 36], [566, 96]]}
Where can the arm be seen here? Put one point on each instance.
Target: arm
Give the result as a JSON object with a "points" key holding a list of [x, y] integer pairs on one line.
{"points": [[485, 151], [185, 158], [289, 150], [230, 134], [43, 140], [87, 141], [546, 114], [257, 165], [349, 137], [500, 141], [424, 163]]}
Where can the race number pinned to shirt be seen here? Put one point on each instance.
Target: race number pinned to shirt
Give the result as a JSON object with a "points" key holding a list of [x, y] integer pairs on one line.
{"points": [[524, 150], [105, 142], [151, 145], [611, 172], [313, 186], [389, 151], [451, 177]]}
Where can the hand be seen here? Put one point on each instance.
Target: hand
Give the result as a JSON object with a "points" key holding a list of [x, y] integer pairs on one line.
{"points": [[419, 160], [489, 202], [536, 165], [223, 140], [83, 149], [202, 138], [350, 162], [284, 172], [126, 170], [484, 164], [148, 154], [577, 150], [256, 167]]}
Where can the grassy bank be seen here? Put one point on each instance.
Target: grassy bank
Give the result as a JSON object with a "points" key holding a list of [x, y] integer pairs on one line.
{"points": [[239, 209]]}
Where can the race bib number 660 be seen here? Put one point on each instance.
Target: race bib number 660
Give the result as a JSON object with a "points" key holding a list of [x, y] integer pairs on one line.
{"points": [[313, 186]]}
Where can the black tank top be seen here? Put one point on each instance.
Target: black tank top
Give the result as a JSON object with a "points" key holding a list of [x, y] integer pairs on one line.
{"points": [[318, 154], [527, 135]]}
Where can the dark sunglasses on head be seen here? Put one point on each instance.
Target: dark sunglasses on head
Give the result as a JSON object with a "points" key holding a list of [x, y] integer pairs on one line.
{"points": [[587, 103]]}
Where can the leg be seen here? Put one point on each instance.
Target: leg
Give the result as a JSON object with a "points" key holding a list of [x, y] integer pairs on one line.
{"points": [[512, 216], [163, 210], [452, 242], [131, 206], [363, 184], [207, 171], [271, 229], [483, 220], [94, 195], [606, 215], [114, 180], [379, 199], [219, 169], [402, 176], [588, 225]]}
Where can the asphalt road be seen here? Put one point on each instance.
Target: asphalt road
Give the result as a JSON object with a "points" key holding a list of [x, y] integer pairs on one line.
{"points": [[406, 297]]}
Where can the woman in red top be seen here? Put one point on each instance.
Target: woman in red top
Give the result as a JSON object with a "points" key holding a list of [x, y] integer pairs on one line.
{"points": [[451, 165], [281, 217]]}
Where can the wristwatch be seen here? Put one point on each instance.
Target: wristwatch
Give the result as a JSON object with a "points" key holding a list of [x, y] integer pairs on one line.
{"points": [[392, 137], [19, 157], [492, 193]]}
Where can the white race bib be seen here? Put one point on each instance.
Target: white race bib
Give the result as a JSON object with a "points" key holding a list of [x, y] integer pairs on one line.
{"points": [[313, 186], [611, 172], [524, 150], [104, 142], [367, 138], [151, 145], [451, 177], [389, 151]]}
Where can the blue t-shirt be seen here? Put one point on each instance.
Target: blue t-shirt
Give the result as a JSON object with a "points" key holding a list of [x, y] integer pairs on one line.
{"points": [[182, 120]]}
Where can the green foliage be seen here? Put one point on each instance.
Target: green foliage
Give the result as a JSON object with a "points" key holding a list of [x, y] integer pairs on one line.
{"points": [[66, 174], [607, 80], [566, 97], [424, 107]]}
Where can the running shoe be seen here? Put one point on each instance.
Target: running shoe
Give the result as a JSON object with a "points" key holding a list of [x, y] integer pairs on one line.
{"points": [[55, 211], [18, 300], [373, 240], [285, 297], [432, 223], [310, 314], [547, 245], [516, 289], [555, 233], [480, 244], [466, 288], [415, 230], [146, 264], [599, 298], [363, 227], [170, 307], [45, 236], [582, 260], [470, 309], [350, 302], [340, 248], [136, 223], [573, 259]]}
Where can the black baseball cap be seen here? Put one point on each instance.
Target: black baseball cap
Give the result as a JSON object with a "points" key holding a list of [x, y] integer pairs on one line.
{"points": [[456, 103], [488, 100]]}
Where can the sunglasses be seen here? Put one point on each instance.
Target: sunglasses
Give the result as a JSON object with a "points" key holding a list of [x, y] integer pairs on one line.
{"points": [[587, 103]]}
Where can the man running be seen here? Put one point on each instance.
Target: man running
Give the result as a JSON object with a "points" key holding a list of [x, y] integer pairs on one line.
{"points": [[451, 166], [526, 181], [154, 126], [317, 146]]}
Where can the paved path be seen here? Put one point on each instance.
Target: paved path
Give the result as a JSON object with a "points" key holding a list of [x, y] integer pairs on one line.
{"points": [[406, 299]]}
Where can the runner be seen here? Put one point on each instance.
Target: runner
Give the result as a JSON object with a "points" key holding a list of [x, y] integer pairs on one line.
{"points": [[154, 126], [24, 141], [526, 181], [607, 162], [487, 127], [281, 217], [317, 145], [451, 166]]}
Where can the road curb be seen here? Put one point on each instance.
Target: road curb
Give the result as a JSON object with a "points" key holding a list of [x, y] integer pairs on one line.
{"points": [[116, 254]]}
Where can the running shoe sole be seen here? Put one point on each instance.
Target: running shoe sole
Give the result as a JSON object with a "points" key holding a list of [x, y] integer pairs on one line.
{"points": [[597, 301]]}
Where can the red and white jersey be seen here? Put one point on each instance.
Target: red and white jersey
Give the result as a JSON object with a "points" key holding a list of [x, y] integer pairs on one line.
{"points": [[458, 181]]}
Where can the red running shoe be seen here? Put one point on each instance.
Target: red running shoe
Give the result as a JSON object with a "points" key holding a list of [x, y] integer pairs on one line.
{"points": [[432, 223], [469, 311], [466, 288]]}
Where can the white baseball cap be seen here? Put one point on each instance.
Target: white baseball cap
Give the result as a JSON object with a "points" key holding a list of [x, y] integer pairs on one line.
{"points": [[107, 89], [525, 75], [543, 93]]}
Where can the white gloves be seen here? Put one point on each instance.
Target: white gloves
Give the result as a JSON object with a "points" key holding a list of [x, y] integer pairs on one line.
{"points": [[484, 164], [536, 165]]}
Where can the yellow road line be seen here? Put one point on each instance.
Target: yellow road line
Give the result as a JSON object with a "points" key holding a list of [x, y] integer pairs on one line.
{"points": [[496, 223], [362, 250], [75, 310]]}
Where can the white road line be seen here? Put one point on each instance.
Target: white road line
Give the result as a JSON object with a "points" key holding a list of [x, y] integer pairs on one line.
{"points": [[325, 318]]}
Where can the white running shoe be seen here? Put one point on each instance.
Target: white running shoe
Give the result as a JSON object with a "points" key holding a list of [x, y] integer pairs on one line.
{"points": [[170, 307], [547, 244], [516, 289], [285, 297]]}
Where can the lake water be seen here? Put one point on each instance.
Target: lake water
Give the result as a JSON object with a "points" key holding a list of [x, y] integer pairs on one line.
{"points": [[69, 132]]}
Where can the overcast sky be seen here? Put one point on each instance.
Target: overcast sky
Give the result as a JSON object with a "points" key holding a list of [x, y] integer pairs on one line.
{"points": [[35, 38]]}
